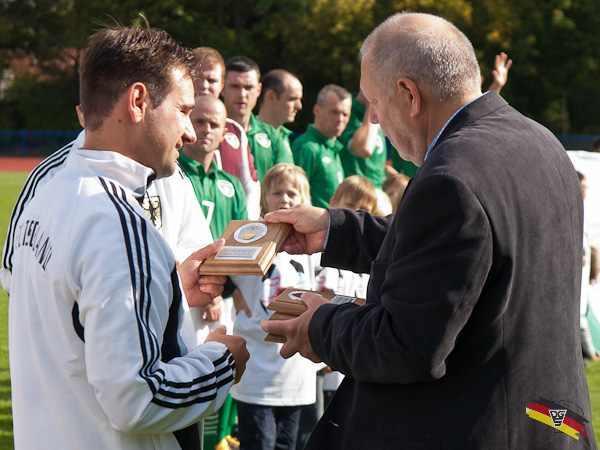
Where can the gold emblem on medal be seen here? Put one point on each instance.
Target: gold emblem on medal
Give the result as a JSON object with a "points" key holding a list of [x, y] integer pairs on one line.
{"points": [[250, 232]]}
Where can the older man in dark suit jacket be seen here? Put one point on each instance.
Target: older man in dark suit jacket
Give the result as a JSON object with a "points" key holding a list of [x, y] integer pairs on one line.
{"points": [[469, 338]]}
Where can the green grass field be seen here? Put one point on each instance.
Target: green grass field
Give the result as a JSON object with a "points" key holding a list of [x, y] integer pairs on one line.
{"points": [[10, 184]]}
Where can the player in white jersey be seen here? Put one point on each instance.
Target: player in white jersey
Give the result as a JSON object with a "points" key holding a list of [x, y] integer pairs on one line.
{"points": [[170, 204], [95, 308]]}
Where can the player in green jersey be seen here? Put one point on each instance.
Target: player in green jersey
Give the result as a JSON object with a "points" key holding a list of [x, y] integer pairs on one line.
{"points": [[219, 193], [281, 101], [365, 151], [241, 92], [317, 151]]}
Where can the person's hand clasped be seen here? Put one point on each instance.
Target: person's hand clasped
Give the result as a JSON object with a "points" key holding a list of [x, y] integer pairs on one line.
{"points": [[236, 345], [309, 228], [201, 290], [296, 330], [212, 313]]}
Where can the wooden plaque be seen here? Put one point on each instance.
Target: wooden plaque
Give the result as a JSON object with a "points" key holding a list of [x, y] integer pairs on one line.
{"points": [[289, 305], [250, 246]]}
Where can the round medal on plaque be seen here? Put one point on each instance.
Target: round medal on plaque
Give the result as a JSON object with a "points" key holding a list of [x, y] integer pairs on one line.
{"points": [[250, 232], [250, 247]]}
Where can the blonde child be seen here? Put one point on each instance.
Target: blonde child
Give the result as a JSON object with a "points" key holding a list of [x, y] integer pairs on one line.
{"points": [[394, 186], [357, 192], [273, 390]]}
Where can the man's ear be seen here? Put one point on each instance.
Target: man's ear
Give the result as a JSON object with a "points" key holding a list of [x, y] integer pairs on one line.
{"points": [[138, 100], [271, 95], [222, 138], [408, 91], [316, 109], [80, 115], [259, 89]]}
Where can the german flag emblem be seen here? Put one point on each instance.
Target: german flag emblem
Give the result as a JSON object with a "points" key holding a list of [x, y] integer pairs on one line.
{"points": [[557, 417]]}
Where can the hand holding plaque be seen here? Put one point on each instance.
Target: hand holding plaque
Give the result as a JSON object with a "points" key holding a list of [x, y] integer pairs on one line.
{"points": [[249, 249], [289, 305]]}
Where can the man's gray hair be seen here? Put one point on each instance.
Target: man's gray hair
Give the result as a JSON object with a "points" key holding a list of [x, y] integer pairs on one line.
{"points": [[439, 58], [338, 91]]}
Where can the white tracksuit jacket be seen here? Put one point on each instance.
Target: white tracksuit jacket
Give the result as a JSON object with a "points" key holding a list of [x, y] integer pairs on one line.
{"points": [[95, 309], [170, 201]]}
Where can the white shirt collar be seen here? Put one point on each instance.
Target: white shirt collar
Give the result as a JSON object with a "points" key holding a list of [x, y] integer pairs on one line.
{"points": [[130, 174]]}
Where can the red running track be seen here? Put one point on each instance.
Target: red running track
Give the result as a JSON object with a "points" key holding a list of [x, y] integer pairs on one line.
{"points": [[9, 164]]}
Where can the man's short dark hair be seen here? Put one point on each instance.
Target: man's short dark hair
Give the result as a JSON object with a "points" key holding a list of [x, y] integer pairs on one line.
{"points": [[115, 58], [242, 64], [274, 80]]}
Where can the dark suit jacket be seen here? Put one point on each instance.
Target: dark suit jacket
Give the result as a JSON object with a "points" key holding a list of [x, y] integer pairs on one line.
{"points": [[472, 314]]}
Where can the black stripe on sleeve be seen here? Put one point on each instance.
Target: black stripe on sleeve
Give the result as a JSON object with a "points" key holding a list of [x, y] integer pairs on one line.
{"points": [[129, 251], [27, 194], [142, 299], [202, 378], [145, 279], [170, 346], [167, 398]]}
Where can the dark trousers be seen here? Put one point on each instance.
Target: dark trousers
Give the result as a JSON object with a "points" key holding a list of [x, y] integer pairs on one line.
{"points": [[310, 416], [327, 397], [268, 427]]}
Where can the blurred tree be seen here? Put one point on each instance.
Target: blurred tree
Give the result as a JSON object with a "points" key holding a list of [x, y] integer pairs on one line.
{"points": [[557, 60], [552, 43]]}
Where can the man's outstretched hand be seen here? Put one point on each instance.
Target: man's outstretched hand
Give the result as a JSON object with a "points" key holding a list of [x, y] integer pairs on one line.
{"points": [[296, 330], [201, 290], [309, 224]]}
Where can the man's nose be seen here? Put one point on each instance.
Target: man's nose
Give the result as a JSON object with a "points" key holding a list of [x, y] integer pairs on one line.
{"points": [[203, 128], [189, 134]]}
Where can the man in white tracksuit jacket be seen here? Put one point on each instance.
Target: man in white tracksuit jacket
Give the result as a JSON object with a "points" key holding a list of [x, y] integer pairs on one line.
{"points": [[97, 360], [169, 203]]}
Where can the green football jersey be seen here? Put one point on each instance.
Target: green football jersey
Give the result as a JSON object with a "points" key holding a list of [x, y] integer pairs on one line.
{"points": [[219, 193], [286, 135], [267, 146], [319, 156], [373, 167]]}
